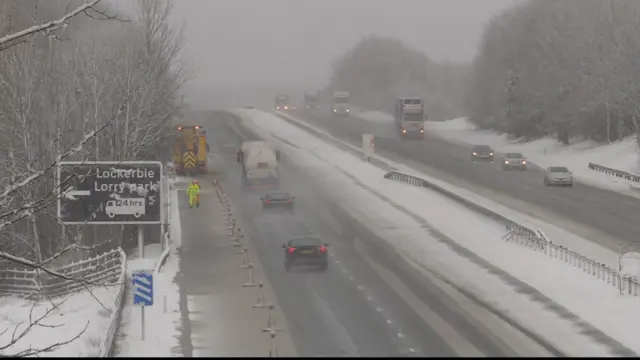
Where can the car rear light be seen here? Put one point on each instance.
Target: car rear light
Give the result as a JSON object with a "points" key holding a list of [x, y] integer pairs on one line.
{"points": [[197, 126], [291, 250], [268, 201], [322, 249], [290, 200]]}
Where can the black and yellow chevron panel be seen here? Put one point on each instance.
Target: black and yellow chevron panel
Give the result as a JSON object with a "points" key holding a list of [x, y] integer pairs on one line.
{"points": [[189, 160]]}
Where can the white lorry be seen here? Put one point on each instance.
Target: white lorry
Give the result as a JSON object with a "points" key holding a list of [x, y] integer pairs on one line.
{"points": [[340, 103], [409, 116], [259, 162]]}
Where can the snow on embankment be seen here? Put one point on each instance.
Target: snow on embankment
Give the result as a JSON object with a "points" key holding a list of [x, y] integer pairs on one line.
{"points": [[622, 155]]}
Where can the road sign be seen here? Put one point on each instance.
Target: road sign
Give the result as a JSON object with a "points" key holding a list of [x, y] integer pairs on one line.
{"points": [[110, 192], [142, 288]]}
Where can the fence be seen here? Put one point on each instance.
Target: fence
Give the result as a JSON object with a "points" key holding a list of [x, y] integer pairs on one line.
{"points": [[532, 238], [614, 172], [102, 270]]}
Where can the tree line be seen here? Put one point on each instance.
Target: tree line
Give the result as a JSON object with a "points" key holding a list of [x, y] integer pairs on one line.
{"points": [[79, 81], [563, 68]]}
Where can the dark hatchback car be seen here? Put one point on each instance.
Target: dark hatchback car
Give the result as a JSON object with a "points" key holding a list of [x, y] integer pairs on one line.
{"points": [[278, 200], [482, 153], [306, 251]]}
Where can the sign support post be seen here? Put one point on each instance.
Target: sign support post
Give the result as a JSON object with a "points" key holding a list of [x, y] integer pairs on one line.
{"points": [[140, 242], [142, 322]]}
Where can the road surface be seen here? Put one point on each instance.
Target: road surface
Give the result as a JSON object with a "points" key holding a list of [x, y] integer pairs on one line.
{"points": [[603, 216], [364, 305]]}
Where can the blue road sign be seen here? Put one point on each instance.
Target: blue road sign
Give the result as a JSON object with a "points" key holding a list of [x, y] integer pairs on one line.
{"points": [[142, 288]]}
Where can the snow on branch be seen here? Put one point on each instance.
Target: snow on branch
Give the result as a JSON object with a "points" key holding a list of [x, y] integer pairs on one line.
{"points": [[20, 334], [10, 39]]}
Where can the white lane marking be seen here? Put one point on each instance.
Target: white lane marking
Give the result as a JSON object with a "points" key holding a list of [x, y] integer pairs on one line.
{"points": [[344, 270], [389, 321], [360, 287], [351, 278], [412, 349], [400, 335], [379, 309], [369, 298]]}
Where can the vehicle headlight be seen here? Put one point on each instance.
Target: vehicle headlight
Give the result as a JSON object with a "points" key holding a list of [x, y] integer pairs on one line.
{"points": [[335, 110], [475, 153], [524, 162], [286, 107], [506, 162], [348, 110], [277, 107], [404, 131], [421, 131], [490, 154]]}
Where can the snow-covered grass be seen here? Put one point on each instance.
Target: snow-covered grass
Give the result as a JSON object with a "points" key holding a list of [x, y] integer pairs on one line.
{"points": [[622, 155], [66, 318], [163, 320], [593, 301], [373, 116]]}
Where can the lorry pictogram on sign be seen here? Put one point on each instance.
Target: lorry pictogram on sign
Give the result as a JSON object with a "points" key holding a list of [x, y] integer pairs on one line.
{"points": [[110, 192]]}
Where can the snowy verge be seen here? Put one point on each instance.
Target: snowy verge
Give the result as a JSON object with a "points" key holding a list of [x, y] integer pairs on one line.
{"points": [[163, 319], [398, 217], [373, 116], [622, 155], [62, 320]]}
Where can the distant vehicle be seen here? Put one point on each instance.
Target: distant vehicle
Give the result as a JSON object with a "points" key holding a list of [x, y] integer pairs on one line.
{"points": [[482, 153], [277, 200], [514, 161], [409, 117], [558, 175], [340, 103], [311, 101], [259, 162], [306, 251], [282, 102]]}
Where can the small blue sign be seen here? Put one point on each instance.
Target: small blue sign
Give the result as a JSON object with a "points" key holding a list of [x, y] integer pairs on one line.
{"points": [[142, 288]]}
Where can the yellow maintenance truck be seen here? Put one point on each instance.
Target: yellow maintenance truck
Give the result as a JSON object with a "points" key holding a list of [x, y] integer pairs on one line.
{"points": [[190, 150]]}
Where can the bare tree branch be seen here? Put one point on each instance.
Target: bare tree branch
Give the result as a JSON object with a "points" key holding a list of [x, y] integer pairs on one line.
{"points": [[46, 27]]}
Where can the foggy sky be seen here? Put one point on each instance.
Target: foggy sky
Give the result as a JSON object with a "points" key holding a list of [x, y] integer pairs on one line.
{"points": [[291, 43]]}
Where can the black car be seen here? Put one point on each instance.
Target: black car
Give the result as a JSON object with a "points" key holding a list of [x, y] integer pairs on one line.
{"points": [[278, 200], [306, 251], [482, 153]]}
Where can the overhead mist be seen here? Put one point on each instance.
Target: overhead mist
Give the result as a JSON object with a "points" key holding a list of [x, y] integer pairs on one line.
{"points": [[245, 51]]}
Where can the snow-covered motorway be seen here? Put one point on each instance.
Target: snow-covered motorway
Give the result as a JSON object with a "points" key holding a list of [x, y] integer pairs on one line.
{"points": [[370, 302], [606, 217]]}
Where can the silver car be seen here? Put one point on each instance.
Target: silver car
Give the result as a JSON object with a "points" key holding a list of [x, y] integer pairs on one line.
{"points": [[558, 175], [514, 161]]}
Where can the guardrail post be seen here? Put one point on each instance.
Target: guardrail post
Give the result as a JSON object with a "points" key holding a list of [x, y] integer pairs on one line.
{"points": [[271, 321], [245, 258], [262, 302], [250, 282], [273, 351]]}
